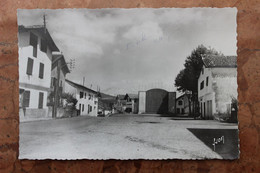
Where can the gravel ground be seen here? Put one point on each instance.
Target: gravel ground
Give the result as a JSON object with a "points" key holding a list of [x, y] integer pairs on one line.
{"points": [[116, 137]]}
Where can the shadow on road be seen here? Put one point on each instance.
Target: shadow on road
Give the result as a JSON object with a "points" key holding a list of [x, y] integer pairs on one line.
{"points": [[227, 147]]}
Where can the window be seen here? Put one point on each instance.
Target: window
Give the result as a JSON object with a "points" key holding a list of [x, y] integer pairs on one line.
{"points": [[82, 107], [90, 107], [40, 103], [202, 70], [85, 95], [34, 42], [41, 71], [207, 81], [89, 96], [81, 94], [201, 85], [43, 46], [29, 66], [180, 102], [26, 98], [53, 81]]}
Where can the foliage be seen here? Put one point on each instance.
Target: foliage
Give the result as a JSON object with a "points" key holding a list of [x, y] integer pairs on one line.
{"points": [[187, 79], [69, 98]]}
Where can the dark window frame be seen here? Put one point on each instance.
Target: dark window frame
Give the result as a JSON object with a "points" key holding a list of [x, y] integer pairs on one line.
{"points": [[34, 42], [81, 94], [40, 101], [180, 102], [26, 98], [44, 46], [207, 81], [29, 69], [41, 70], [202, 85]]}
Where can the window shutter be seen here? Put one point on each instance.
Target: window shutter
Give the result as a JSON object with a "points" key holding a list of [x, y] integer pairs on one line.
{"points": [[26, 99], [33, 39], [34, 42], [81, 95], [41, 70], [43, 46], [29, 66], [40, 103]]}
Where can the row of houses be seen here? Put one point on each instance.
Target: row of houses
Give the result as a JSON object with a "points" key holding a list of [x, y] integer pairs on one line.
{"points": [[217, 93], [42, 81]]}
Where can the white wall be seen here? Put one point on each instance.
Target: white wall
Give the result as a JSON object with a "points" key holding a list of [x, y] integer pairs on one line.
{"points": [[84, 101], [25, 52], [142, 101], [222, 87]]}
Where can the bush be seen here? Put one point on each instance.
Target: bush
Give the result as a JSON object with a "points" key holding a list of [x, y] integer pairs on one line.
{"points": [[71, 101]]}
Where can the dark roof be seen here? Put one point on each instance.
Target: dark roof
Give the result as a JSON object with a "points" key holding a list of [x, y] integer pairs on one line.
{"points": [[219, 61], [80, 86], [40, 29], [64, 66], [182, 96]]}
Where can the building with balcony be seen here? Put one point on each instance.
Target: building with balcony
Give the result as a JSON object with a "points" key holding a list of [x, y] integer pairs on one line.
{"points": [[35, 61]]}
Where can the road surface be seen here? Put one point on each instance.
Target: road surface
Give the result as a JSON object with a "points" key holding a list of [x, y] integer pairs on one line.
{"points": [[116, 137]]}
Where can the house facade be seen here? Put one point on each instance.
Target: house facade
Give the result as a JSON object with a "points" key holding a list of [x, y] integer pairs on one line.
{"points": [[217, 86], [120, 105], [59, 70], [183, 104], [131, 103], [35, 61], [87, 98]]}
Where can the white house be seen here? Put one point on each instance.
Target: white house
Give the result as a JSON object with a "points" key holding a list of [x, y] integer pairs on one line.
{"points": [[87, 98], [35, 61], [217, 85], [184, 104]]}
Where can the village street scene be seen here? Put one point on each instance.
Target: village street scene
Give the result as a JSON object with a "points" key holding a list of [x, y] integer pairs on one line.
{"points": [[88, 92]]}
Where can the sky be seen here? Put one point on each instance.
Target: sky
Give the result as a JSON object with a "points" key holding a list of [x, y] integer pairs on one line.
{"points": [[129, 50]]}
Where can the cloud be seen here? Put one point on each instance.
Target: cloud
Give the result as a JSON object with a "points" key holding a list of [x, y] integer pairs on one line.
{"points": [[147, 30], [98, 39]]}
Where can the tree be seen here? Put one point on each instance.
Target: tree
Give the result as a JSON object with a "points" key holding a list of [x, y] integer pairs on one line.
{"points": [[187, 79]]}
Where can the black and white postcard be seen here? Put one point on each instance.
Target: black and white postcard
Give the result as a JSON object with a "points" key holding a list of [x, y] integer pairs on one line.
{"points": [[141, 83]]}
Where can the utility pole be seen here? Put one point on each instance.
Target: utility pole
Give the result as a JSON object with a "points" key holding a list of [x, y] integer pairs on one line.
{"points": [[44, 23]]}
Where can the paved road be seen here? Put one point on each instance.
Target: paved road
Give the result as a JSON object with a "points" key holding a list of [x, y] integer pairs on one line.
{"points": [[118, 137]]}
